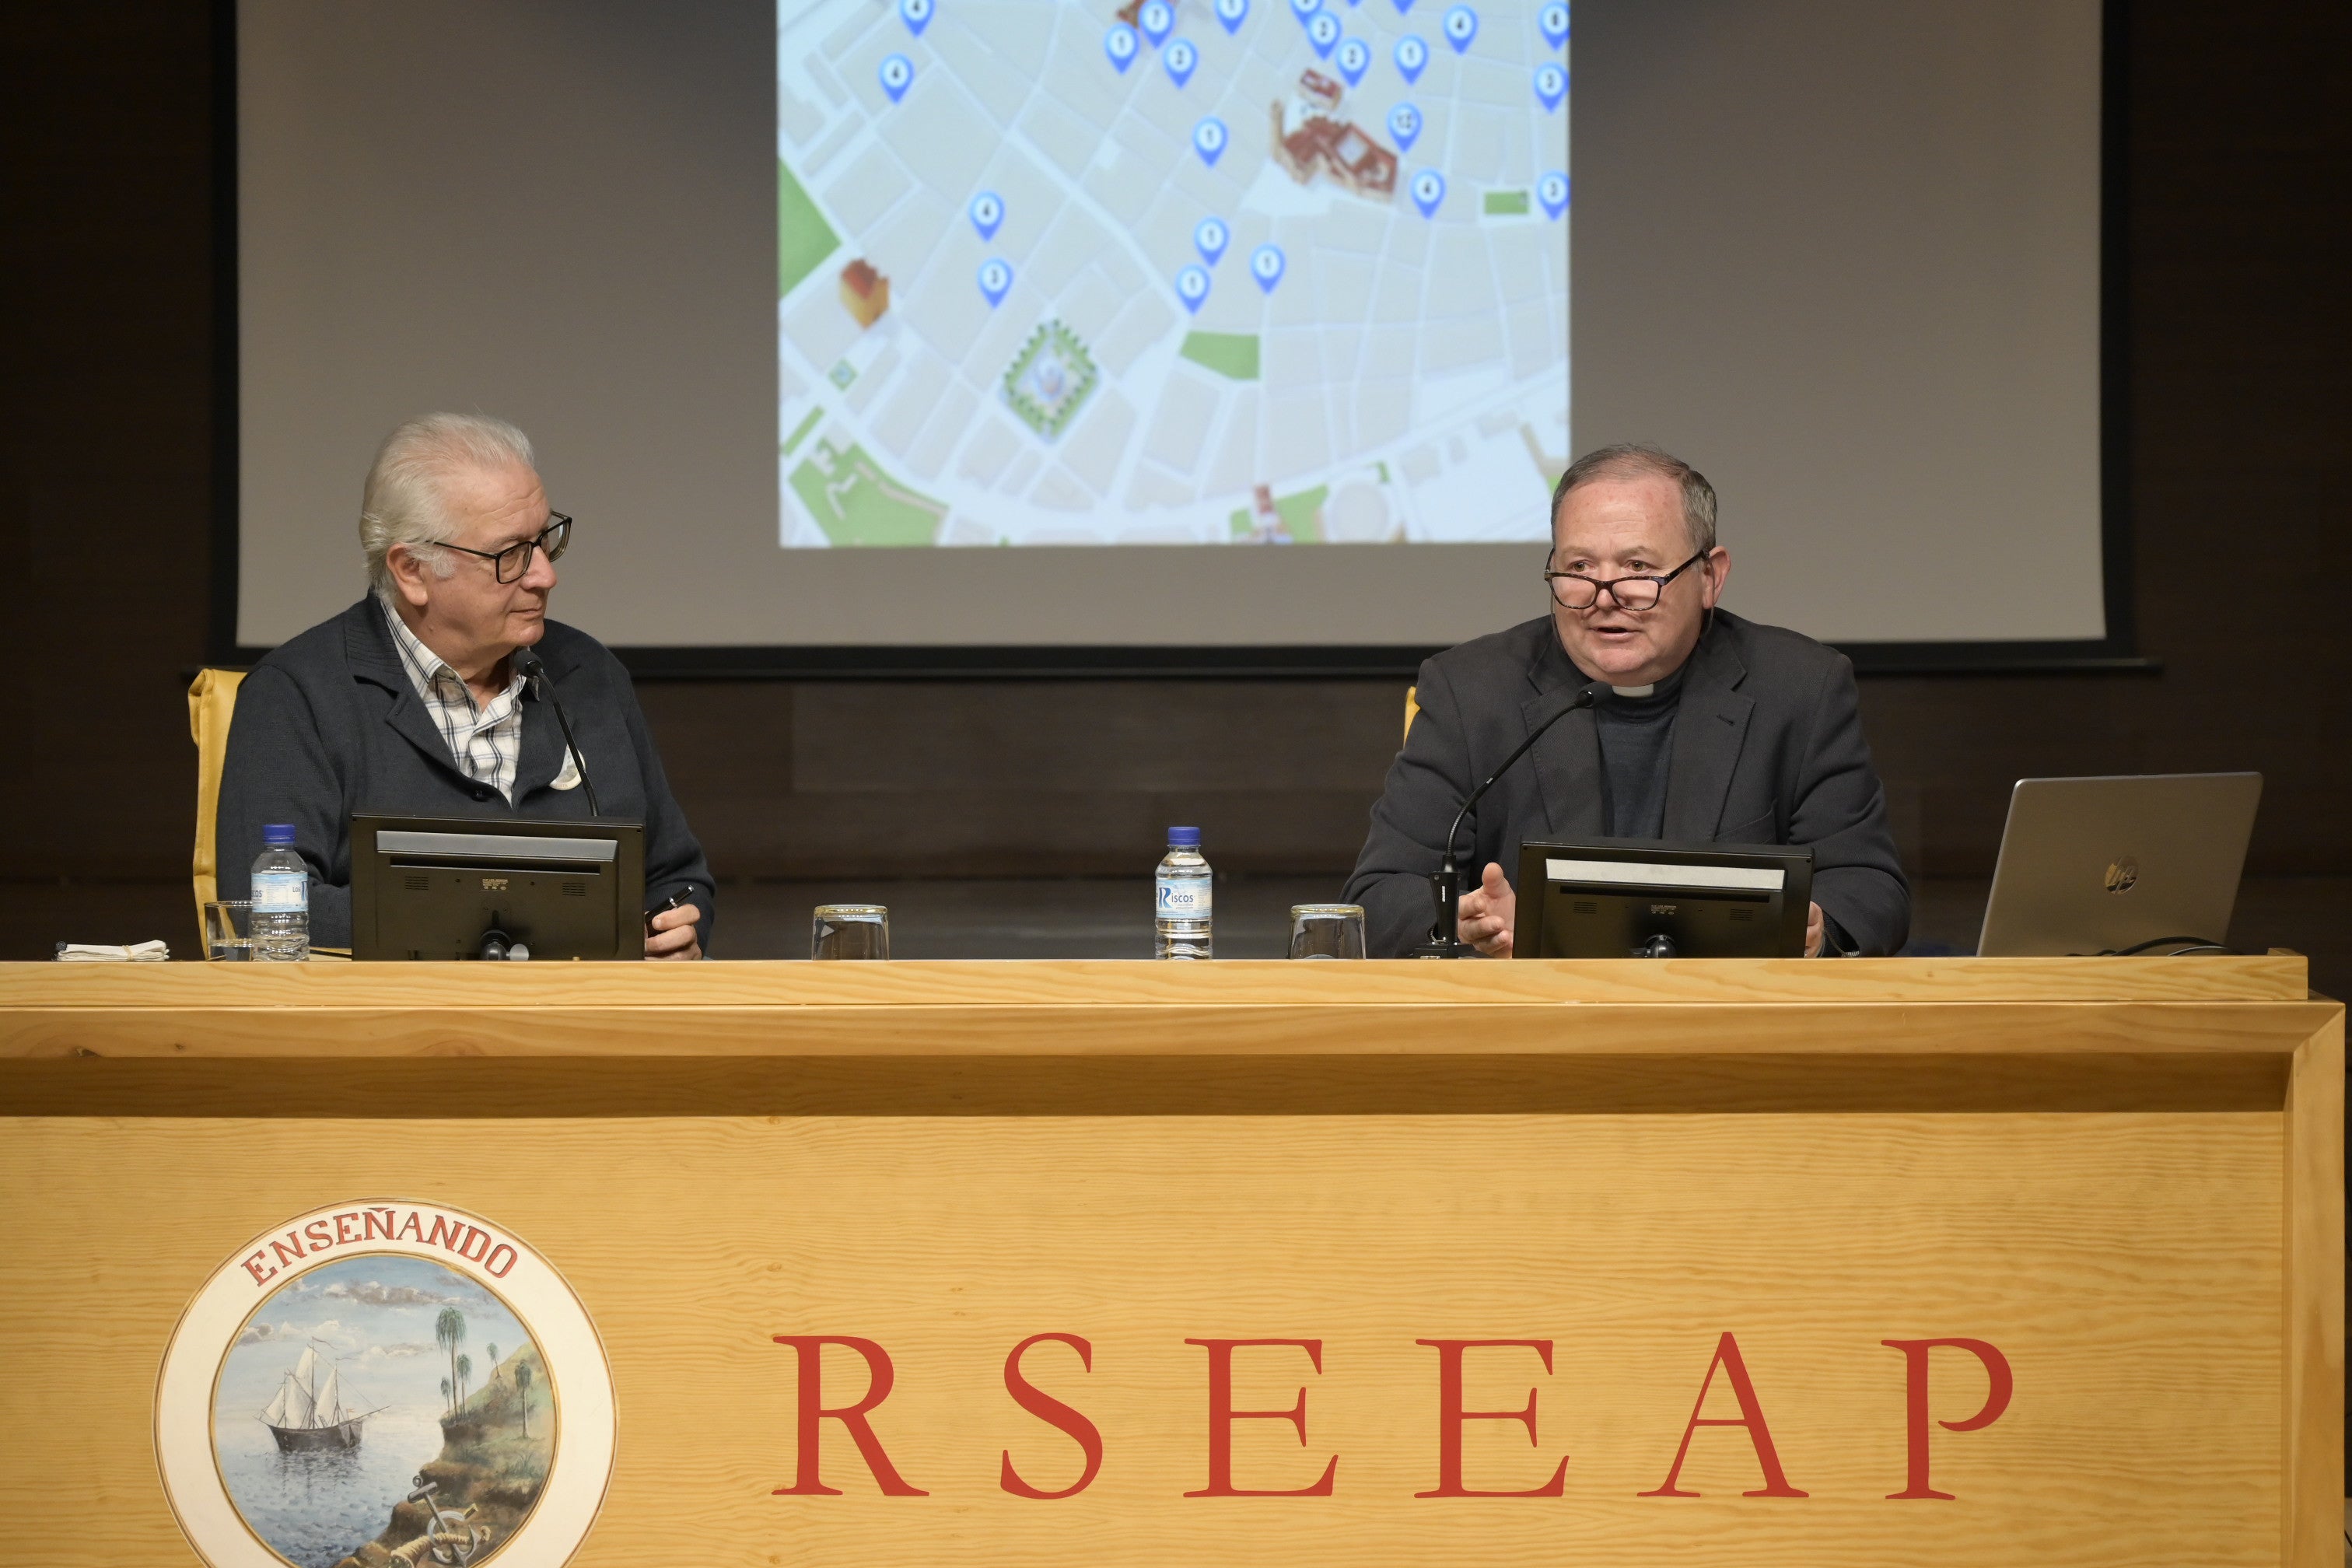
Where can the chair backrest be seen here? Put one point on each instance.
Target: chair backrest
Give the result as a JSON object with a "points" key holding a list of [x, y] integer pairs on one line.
{"points": [[211, 703], [1411, 708]]}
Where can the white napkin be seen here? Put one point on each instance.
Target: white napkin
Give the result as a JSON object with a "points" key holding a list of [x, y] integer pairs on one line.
{"points": [[107, 952]]}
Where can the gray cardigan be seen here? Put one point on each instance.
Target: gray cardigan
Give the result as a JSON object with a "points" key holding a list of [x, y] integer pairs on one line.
{"points": [[328, 724], [1768, 749]]}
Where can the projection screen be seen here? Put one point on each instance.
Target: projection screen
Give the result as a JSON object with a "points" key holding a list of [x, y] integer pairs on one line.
{"points": [[1244, 325]]}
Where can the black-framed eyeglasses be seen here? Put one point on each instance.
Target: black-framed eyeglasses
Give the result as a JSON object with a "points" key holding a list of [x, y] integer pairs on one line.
{"points": [[515, 560], [1574, 591]]}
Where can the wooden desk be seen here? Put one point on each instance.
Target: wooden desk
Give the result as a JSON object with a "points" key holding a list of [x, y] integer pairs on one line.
{"points": [[2123, 1177]]}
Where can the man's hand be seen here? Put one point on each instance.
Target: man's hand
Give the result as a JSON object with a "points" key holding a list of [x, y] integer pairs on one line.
{"points": [[1813, 934], [1487, 912], [671, 934]]}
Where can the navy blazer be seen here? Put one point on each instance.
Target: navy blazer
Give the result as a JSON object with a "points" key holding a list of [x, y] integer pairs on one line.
{"points": [[328, 724], [1768, 749]]}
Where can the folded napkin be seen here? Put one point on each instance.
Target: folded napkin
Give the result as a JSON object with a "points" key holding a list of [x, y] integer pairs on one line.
{"points": [[106, 953]]}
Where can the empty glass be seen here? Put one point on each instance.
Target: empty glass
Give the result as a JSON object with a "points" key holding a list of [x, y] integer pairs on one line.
{"points": [[1327, 931], [850, 930], [228, 930]]}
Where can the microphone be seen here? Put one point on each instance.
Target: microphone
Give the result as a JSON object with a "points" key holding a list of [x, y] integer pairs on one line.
{"points": [[1446, 882], [534, 669]]}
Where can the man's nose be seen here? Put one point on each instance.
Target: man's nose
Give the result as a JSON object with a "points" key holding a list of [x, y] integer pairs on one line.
{"points": [[542, 574]]}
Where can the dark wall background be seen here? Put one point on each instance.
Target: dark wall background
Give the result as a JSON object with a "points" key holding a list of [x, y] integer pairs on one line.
{"points": [[2236, 159]]}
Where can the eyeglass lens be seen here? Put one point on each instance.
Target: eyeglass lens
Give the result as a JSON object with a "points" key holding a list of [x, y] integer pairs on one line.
{"points": [[515, 559]]}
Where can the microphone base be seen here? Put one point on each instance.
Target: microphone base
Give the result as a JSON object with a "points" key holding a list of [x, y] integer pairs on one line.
{"points": [[1443, 949]]}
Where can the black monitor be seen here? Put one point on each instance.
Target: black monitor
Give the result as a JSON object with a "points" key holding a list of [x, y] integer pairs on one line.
{"points": [[483, 886], [1638, 899]]}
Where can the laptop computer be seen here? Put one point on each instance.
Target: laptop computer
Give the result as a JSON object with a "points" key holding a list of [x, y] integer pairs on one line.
{"points": [[2101, 865]]}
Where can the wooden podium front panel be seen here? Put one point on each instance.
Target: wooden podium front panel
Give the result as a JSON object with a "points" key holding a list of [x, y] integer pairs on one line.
{"points": [[2141, 1259]]}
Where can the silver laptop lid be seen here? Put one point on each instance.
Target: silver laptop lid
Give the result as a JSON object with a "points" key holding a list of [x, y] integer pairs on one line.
{"points": [[2101, 864]]}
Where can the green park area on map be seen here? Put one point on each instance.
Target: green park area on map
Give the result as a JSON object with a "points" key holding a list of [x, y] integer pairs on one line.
{"points": [[856, 503], [1233, 356], [804, 239]]}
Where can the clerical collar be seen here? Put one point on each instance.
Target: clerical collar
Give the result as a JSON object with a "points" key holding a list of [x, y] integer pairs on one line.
{"points": [[1658, 693]]}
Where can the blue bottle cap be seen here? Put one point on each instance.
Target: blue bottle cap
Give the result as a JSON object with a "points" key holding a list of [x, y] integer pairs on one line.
{"points": [[1187, 837], [276, 834]]}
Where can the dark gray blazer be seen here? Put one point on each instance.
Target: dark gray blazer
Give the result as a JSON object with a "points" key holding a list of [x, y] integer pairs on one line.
{"points": [[327, 725], [1768, 749]]}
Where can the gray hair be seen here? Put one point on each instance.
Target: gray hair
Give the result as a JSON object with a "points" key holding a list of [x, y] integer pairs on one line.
{"points": [[1631, 460], [403, 503]]}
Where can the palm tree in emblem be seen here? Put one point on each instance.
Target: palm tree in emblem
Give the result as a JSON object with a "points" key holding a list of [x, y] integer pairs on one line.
{"points": [[522, 1385], [464, 1376], [449, 1333]]}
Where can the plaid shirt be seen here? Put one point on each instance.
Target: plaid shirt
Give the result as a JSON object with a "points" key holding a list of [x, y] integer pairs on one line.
{"points": [[486, 743]]}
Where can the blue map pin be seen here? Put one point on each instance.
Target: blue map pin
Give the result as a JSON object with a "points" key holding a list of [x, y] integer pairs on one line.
{"points": [[987, 211], [1412, 55], [1181, 57], [1355, 59], [898, 74], [1192, 286], [1461, 27], [1323, 32], [1553, 20], [1403, 5], [1404, 124], [1428, 191], [1209, 139], [995, 279], [1232, 14], [1551, 84], [1121, 45], [916, 13], [1265, 266], [1552, 191], [1210, 238], [1158, 19], [1304, 10]]}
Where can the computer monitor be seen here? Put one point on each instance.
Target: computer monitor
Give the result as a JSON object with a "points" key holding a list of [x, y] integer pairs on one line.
{"points": [[2102, 865], [1634, 899], [455, 888]]}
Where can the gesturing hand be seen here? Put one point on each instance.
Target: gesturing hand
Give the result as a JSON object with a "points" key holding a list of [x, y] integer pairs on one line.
{"points": [[1487, 912]]}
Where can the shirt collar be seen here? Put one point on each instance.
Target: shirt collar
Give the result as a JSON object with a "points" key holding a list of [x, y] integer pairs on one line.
{"points": [[426, 669]]}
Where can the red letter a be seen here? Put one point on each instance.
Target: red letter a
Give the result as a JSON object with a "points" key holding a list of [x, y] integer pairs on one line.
{"points": [[1751, 1416], [812, 1409], [1915, 1367]]}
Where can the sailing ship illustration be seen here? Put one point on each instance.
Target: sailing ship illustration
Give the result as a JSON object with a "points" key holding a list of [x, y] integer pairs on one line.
{"points": [[308, 1414]]}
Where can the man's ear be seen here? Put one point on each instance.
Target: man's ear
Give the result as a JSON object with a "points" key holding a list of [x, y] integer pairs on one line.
{"points": [[1718, 573], [408, 575]]}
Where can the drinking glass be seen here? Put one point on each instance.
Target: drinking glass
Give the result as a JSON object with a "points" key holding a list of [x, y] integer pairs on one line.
{"points": [[228, 930], [850, 930], [1327, 931]]}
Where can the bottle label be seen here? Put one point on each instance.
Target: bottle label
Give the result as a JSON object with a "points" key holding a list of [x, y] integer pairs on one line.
{"points": [[281, 891], [1183, 900]]}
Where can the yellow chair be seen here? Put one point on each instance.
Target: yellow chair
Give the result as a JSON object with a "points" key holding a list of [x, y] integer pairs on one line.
{"points": [[211, 703], [1411, 708]]}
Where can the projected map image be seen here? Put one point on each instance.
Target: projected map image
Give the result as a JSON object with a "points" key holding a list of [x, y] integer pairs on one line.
{"points": [[1171, 271]]}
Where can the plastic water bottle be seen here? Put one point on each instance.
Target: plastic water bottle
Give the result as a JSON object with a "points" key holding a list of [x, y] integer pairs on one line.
{"points": [[281, 899], [1180, 925]]}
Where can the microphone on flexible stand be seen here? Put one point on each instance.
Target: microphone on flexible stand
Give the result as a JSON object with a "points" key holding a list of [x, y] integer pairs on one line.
{"points": [[534, 669], [1446, 882]]}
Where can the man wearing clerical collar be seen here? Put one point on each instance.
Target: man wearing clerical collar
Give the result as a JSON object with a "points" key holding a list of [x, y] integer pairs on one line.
{"points": [[1708, 729]]}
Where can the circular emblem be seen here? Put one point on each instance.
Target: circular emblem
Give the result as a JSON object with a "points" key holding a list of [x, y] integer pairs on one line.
{"points": [[380, 1384], [2122, 875]]}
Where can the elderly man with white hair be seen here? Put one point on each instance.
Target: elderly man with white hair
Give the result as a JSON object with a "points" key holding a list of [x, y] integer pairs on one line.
{"points": [[411, 701]]}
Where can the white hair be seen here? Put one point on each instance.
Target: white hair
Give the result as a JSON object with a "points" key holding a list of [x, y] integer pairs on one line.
{"points": [[403, 503]]}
